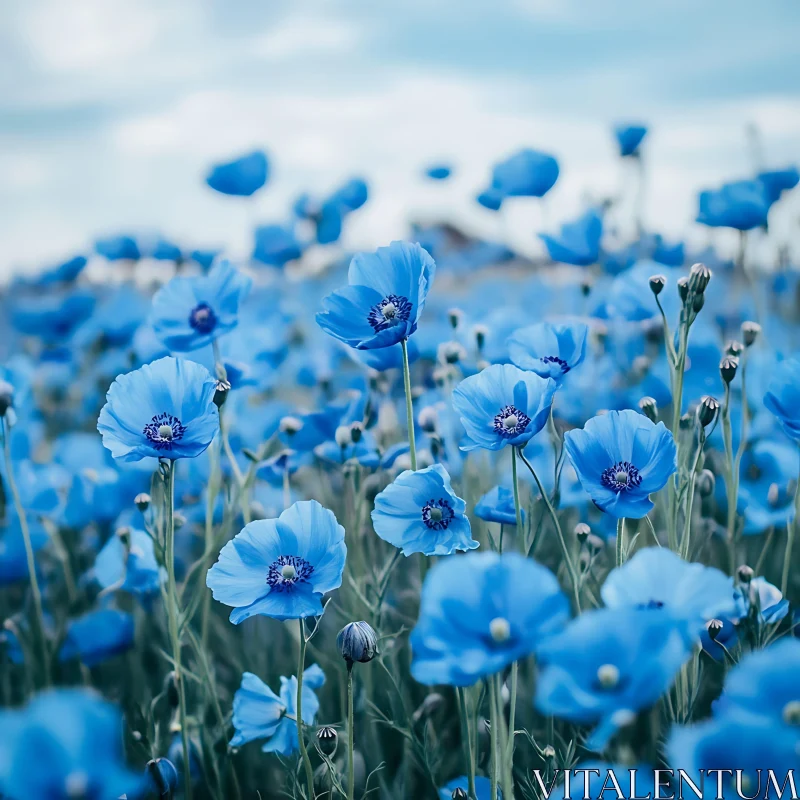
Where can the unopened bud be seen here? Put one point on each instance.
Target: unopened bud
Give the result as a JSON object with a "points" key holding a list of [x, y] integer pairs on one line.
{"points": [[459, 794], [699, 277], [707, 411], [142, 501], [357, 641], [481, 332], [698, 301], [649, 408], [586, 287], [582, 531], [290, 425], [455, 315], [178, 520], [705, 483], [657, 283], [745, 573], [595, 543], [343, 436], [714, 626], [750, 331], [6, 397], [549, 751], [428, 419], [727, 368], [327, 740], [221, 393], [734, 348], [356, 432], [451, 353], [683, 288], [162, 776]]}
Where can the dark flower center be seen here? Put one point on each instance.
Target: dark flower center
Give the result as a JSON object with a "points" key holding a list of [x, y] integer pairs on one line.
{"points": [[163, 430], [286, 571], [389, 312], [437, 514], [622, 476], [510, 422], [556, 360], [203, 319]]}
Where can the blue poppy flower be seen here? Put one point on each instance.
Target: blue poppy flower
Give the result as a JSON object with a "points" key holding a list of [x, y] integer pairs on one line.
{"points": [[127, 561], [483, 788], [189, 313], [205, 258], [73, 738], [772, 605], [384, 299], [164, 250], [579, 241], [161, 410], [497, 505], [783, 396], [281, 567], [742, 205], [669, 255], [438, 172], [481, 612], [767, 470], [764, 685], [258, 713], [385, 357], [276, 245], [606, 666], [97, 636], [65, 272], [420, 513], [53, 318], [778, 181], [657, 578], [549, 349], [118, 248], [752, 746], [241, 177], [351, 195], [503, 405], [528, 173], [629, 137], [621, 458]]}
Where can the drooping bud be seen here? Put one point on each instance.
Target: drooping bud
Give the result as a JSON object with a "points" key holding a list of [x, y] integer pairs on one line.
{"points": [[124, 535], [586, 287], [142, 501], [6, 397], [750, 331], [727, 368], [683, 289], [705, 483], [451, 352], [745, 573], [221, 393], [327, 740], [455, 315], [707, 411], [649, 408], [549, 751], [657, 284], [699, 277], [357, 641]]}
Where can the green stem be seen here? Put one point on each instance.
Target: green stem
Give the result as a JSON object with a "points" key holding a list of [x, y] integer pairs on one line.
{"points": [[172, 616], [466, 741], [620, 541], [730, 479], [29, 556], [409, 406], [494, 731], [517, 508], [301, 663], [573, 575], [351, 775], [512, 708]]}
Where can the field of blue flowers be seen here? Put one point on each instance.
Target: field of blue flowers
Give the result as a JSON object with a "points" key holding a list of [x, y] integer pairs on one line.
{"points": [[433, 521]]}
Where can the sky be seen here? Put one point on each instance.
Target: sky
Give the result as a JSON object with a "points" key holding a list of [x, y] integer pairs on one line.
{"points": [[111, 111]]}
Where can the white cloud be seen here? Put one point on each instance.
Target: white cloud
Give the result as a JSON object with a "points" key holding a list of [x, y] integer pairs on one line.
{"points": [[301, 34]]}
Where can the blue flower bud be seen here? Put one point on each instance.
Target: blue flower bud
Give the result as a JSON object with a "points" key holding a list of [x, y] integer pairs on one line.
{"points": [[162, 776], [357, 641]]}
